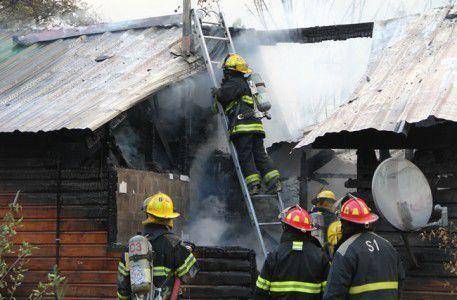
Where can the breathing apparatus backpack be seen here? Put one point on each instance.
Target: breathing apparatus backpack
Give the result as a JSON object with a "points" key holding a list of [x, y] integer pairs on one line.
{"points": [[318, 221], [259, 93], [141, 257]]}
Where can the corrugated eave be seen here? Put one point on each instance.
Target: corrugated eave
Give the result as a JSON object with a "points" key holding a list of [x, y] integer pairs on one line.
{"points": [[411, 77]]}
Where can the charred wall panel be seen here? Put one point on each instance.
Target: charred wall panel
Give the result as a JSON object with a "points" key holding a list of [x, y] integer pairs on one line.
{"points": [[134, 186], [65, 170]]}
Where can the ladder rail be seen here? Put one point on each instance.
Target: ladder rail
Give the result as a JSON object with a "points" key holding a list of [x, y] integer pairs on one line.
{"points": [[204, 49], [227, 32], [280, 203], [223, 118]]}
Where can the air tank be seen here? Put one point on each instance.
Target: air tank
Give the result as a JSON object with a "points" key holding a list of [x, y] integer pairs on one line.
{"points": [[141, 265], [260, 93], [318, 221]]}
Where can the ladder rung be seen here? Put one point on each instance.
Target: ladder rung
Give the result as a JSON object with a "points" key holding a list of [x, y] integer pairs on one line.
{"points": [[269, 223], [215, 38], [263, 196], [215, 62], [211, 23]]}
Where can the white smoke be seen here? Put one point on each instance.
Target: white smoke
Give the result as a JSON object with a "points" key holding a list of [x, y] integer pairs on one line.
{"points": [[207, 215]]}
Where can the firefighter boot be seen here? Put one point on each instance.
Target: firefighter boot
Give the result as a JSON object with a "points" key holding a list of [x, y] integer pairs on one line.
{"points": [[254, 188], [274, 186]]}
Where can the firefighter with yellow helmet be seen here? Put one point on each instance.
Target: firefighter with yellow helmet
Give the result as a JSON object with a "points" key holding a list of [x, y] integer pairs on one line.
{"points": [[245, 126], [169, 257], [324, 218]]}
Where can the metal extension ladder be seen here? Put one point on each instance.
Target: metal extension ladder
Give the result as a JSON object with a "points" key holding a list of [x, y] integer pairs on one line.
{"points": [[197, 24]]}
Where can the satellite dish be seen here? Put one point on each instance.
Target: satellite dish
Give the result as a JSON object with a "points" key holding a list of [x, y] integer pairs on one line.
{"points": [[402, 194]]}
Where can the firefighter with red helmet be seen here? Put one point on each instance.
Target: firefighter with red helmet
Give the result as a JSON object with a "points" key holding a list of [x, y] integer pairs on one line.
{"points": [[298, 268], [365, 266]]}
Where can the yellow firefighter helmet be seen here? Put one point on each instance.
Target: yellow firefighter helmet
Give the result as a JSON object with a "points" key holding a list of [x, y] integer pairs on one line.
{"points": [[236, 63], [159, 209], [327, 195], [325, 199]]}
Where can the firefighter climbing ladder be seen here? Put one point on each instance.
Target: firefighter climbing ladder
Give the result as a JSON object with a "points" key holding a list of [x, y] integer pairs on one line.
{"points": [[197, 25]]}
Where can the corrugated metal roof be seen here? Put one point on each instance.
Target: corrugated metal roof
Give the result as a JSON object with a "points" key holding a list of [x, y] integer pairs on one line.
{"points": [[50, 86], [412, 76]]}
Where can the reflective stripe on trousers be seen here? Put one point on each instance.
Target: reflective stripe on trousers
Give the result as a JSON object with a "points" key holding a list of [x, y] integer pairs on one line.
{"points": [[376, 286], [252, 178], [273, 174]]}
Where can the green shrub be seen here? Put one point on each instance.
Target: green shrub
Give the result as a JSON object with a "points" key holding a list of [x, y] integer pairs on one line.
{"points": [[12, 273]]}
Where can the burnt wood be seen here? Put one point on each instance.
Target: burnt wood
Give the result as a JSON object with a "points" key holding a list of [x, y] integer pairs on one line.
{"points": [[223, 265], [223, 252], [307, 35], [217, 292], [219, 278]]}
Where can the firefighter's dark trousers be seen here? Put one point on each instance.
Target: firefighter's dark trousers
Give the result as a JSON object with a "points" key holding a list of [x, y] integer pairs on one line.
{"points": [[254, 160]]}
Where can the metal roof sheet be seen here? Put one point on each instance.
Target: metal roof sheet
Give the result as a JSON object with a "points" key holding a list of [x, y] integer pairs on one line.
{"points": [[411, 76], [55, 85]]}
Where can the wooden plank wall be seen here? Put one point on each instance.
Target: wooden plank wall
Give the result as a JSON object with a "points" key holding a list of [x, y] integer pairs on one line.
{"points": [[80, 221], [430, 280], [66, 189], [70, 205]]}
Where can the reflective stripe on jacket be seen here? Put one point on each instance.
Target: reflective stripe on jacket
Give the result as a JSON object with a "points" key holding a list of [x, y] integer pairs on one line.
{"points": [[365, 266], [296, 270]]}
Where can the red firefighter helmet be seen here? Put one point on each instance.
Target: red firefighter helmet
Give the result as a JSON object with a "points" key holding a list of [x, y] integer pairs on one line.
{"points": [[298, 218], [357, 211]]}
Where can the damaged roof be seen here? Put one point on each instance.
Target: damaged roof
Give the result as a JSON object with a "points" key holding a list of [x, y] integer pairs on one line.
{"points": [[84, 81], [411, 77]]}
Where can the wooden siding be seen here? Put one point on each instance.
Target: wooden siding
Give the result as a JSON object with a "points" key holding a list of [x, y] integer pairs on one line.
{"points": [[66, 216]]}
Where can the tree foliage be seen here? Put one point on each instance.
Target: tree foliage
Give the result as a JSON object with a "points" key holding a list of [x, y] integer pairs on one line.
{"points": [[42, 13], [13, 271]]}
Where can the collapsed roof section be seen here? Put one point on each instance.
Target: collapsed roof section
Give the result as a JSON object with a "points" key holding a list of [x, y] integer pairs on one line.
{"points": [[411, 78], [84, 81]]}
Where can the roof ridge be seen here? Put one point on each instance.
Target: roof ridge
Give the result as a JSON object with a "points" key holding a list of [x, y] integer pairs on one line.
{"points": [[62, 33]]}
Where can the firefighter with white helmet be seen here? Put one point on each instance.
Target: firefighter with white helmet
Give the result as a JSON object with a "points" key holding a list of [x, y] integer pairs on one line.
{"points": [[298, 268], [365, 265], [247, 133], [168, 257]]}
